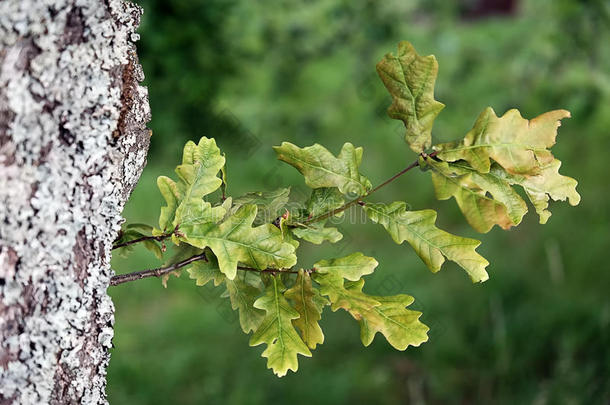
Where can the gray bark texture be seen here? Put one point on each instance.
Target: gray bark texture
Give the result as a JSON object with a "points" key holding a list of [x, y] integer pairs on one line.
{"points": [[73, 142]]}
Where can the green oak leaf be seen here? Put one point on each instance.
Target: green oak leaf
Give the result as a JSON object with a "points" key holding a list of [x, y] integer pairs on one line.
{"points": [[387, 315], [351, 267], [409, 78], [400, 326], [277, 331], [322, 169], [519, 145], [309, 304], [270, 204], [235, 240], [430, 243], [199, 174], [243, 292]]}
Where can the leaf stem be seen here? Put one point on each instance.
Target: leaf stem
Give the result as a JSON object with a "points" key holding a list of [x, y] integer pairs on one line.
{"points": [[160, 271]]}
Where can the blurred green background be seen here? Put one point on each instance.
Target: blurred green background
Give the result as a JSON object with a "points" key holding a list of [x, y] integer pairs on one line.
{"points": [[252, 74]]}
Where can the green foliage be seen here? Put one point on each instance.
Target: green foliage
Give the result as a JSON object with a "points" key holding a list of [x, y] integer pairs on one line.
{"points": [[321, 169], [248, 244], [277, 330], [431, 244]]}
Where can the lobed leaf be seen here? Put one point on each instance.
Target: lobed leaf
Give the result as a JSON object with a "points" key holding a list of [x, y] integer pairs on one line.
{"points": [[277, 331], [488, 199], [322, 169], [549, 184], [431, 244], [410, 78], [520, 146], [309, 304], [400, 326], [235, 240], [387, 315], [485, 199], [199, 175]]}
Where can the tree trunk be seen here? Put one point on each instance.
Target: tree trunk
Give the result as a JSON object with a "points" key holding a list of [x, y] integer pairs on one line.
{"points": [[73, 142]]}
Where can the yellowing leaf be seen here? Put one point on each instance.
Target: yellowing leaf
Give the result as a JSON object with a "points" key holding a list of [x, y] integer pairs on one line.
{"points": [[520, 146], [235, 240], [410, 80], [200, 166], [199, 175], [351, 267], [309, 304], [485, 199], [172, 195], [400, 326], [277, 332], [387, 315], [321, 169], [431, 244], [549, 184]]}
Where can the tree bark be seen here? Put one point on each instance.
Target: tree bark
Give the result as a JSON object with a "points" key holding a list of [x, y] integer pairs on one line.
{"points": [[73, 142]]}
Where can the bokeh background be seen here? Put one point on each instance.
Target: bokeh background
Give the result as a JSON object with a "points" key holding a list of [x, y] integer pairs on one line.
{"points": [[252, 74]]}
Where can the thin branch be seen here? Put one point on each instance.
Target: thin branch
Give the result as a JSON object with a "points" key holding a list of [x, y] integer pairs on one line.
{"points": [[158, 272]]}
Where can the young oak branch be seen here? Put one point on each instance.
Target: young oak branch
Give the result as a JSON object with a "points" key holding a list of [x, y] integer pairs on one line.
{"points": [[248, 244]]}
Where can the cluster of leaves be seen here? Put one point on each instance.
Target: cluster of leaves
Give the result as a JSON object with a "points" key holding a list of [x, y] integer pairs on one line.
{"points": [[248, 244]]}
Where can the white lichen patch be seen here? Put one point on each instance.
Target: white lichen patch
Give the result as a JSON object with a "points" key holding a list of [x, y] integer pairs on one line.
{"points": [[73, 143]]}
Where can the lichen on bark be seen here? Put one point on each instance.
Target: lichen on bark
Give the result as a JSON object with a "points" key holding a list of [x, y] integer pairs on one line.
{"points": [[73, 142]]}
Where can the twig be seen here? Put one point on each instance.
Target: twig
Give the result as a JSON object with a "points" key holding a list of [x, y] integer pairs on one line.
{"points": [[158, 272]]}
